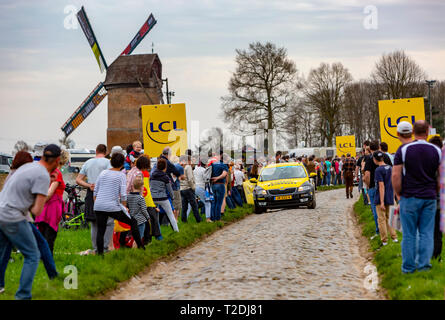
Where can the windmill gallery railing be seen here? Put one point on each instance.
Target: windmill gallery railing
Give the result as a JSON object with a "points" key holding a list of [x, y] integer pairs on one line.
{"points": [[84, 110]]}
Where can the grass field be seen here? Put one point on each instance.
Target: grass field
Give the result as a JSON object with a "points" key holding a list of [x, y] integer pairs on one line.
{"points": [[97, 275], [425, 285], [327, 188]]}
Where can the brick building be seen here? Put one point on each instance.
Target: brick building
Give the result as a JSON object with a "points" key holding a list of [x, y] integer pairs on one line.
{"points": [[131, 81]]}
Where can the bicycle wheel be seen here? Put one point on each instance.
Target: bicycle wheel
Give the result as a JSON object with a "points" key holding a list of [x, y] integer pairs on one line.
{"points": [[84, 224], [65, 214], [71, 214]]}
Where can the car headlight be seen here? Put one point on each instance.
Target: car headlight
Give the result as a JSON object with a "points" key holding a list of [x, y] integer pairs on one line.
{"points": [[260, 191], [305, 187]]}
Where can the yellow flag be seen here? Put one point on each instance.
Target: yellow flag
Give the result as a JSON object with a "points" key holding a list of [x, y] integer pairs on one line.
{"points": [[391, 112], [164, 125], [345, 145]]}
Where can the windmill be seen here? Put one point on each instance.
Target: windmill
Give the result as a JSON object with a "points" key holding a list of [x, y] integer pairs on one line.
{"points": [[100, 92]]}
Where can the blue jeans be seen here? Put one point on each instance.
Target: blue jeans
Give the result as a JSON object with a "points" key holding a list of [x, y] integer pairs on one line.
{"points": [[236, 197], [328, 178], [230, 203], [20, 235], [45, 254], [218, 192], [141, 228], [371, 193], [417, 215], [201, 193]]}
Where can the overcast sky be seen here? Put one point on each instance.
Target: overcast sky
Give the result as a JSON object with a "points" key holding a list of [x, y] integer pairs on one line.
{"points": [[47, 70]]}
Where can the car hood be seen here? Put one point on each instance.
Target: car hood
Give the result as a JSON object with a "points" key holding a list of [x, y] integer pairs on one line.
{"points": [[285, 183]]}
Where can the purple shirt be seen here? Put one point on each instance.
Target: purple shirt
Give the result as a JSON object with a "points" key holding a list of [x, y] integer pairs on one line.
{"points": [[383, 174], [420, 160]]}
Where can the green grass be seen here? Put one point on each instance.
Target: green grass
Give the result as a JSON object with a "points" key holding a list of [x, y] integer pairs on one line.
{"points": [[97, 275], [425, 285], [327, 188]]}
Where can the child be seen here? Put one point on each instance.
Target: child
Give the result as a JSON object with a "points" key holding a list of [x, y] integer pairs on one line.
{"points": [[133, 154], [384, 197], [136, 205]]}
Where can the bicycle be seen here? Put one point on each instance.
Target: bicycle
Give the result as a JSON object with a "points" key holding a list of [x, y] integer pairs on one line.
{"points": [[73, 214]]}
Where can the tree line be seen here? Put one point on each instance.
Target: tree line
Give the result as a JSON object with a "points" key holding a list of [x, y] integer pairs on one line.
{"points": [[266, 92]]}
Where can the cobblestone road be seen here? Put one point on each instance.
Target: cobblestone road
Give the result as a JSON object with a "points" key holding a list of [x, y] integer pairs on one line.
{"points": [[283, 254]]}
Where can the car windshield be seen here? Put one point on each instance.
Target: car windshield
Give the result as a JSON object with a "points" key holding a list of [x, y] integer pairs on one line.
{"points": [[287, 172]]}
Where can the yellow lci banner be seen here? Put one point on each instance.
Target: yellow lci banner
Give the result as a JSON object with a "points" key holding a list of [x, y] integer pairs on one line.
{"points": [[345, 145], [391, 112], [164, 125]]}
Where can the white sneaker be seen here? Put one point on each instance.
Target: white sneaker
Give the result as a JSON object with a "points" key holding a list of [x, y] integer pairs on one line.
{"points": [[384, 243], [2, 290], [395, 240]]}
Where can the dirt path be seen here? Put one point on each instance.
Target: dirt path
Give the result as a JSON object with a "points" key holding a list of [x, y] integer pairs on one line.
{"points": [[283, 254]]}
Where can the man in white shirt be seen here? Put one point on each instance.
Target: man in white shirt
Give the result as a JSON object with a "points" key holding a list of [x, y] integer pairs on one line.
{"points": [[239, 179], [187, 187], [90, 171]]}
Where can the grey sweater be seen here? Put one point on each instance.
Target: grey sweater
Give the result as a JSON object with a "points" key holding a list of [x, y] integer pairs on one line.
{"points": [[160, 185]]}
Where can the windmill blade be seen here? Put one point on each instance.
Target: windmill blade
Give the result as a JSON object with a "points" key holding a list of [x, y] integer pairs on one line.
{"points": [[88, 31], [88, 105], [145, 29]]}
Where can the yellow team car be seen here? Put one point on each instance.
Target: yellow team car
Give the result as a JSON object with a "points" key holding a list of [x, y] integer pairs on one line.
{"points": [[283, 185]]}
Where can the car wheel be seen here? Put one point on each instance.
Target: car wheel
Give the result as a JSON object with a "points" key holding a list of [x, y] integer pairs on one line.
{"points": [[259, 210], [313, 204]]}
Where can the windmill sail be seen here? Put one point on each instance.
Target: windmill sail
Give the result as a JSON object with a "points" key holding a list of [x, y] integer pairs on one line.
{"points": [[84, 110], [88, 31], [148, 25]]}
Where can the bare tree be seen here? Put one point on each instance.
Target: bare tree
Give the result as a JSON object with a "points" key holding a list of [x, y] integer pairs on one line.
{"points": [[261, 88], [438, 107], [67, 142], [21, 146], [324, 93], [215, 140], [299, 125], [398, 76], [361, 116]]}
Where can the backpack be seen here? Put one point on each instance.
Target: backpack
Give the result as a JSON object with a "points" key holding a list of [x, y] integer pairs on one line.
{"points": [[208, 174]]}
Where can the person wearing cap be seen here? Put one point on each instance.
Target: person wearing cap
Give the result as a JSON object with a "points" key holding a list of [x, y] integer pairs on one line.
{"points": [[384, 196], [415, 182], [26, 191], [87, 178], [116, 149], [38, 150], [405, 132]]}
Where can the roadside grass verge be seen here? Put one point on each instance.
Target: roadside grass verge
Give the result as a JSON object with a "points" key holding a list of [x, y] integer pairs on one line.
{"points": [[425, 285], [327, 188], [98, 275]]}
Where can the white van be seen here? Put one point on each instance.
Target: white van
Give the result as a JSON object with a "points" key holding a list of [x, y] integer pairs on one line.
{"points": [[78, 157], [5, 162]]}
